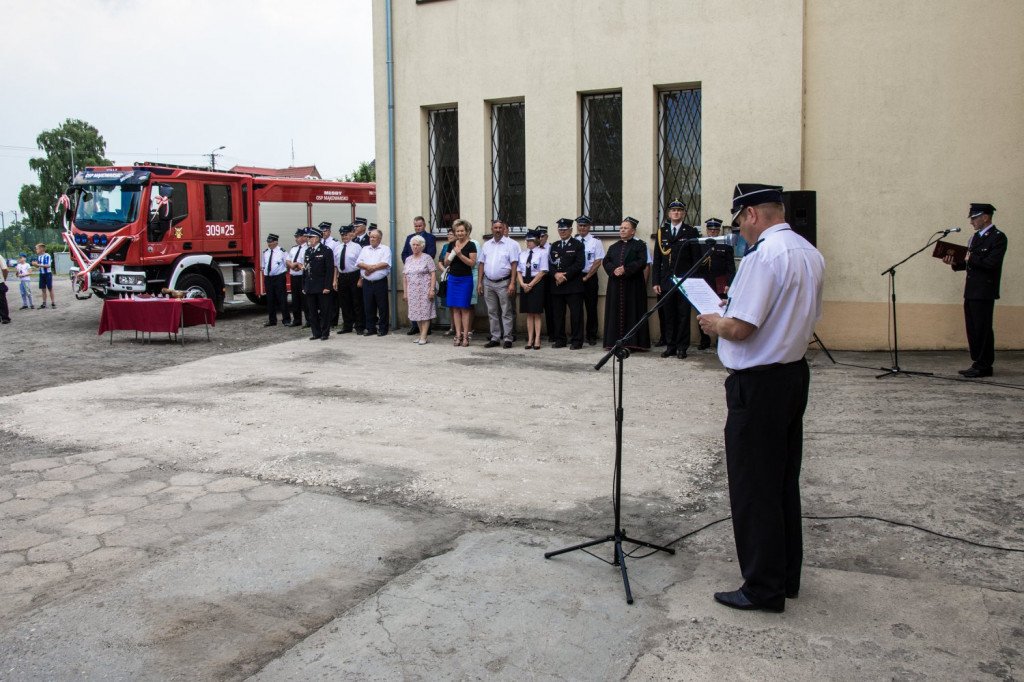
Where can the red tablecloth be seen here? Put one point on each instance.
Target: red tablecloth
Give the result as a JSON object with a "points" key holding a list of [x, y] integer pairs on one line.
{"points": [[156, 314]]}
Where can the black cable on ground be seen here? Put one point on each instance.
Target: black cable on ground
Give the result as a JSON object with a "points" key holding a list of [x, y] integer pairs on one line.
{"points": [[840, 517]]}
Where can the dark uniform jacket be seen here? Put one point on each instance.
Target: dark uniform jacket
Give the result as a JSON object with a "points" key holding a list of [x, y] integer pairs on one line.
{"points": [[672, 256], [569, 259], [722, 268], [984, 265], [319, 270]]}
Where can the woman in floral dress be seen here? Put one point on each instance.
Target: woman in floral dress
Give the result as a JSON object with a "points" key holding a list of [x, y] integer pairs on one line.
{"points": [[420, 279]]}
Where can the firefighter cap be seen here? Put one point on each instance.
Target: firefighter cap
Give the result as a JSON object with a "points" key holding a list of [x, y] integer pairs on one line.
{"points": [[314, 232], [534, 235], [325, 226], [301, 232], [751, 194], [359, 221], [675, 203], [564, 223], [271, 238], [584, 220], [346, 229], [631, 220], [978, 209], [713, 222]]}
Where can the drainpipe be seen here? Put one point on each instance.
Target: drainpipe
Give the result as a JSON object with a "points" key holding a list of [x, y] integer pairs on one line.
{"points": [[392, 237]]}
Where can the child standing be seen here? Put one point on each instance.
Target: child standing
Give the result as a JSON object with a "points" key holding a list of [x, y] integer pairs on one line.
{"points": [[44, 262], [23, 271]]}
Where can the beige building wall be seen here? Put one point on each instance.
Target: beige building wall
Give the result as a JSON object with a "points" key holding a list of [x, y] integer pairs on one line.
{"points": [[897, 114]]}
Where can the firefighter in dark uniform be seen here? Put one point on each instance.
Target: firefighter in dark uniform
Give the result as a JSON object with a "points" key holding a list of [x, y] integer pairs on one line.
{"points": [[362, 234], [984, 265], [566, 263], [318, 281], [719, 267], [673, 257]]}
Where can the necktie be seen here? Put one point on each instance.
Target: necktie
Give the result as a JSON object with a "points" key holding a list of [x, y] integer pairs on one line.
{"points": [[270, 259], [342, 258]]}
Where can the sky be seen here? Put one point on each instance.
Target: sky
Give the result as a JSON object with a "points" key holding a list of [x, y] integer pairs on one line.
{"points": [[172, 81]]}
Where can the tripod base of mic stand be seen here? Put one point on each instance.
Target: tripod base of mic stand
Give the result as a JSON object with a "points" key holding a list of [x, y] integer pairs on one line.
{"points": [[895, 371], [620, 556]]}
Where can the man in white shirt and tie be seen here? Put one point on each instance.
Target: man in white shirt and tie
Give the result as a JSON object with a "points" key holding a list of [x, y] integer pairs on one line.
{"points": [[295, 261], [274, 272], [350, 292]]}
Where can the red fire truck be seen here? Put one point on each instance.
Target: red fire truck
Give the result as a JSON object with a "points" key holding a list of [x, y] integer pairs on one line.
{"points": [[146, 227]]}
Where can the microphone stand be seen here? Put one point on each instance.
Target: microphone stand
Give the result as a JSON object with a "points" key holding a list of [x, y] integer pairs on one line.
{"points": [[619, 352], [891, 271]]}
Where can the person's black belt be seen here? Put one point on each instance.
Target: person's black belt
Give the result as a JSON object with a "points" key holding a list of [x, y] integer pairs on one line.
{"points": [[762, 368], [503, 279], [281, 275]]}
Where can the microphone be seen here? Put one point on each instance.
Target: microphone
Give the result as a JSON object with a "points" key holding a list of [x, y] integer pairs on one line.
{"points": [[952, 229]]}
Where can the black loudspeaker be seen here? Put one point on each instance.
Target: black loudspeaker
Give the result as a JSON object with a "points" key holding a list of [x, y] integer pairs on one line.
{"points": [[802, 213]]}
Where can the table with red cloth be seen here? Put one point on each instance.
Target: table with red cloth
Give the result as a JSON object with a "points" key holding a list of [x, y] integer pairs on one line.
{"points": [[157, 315]]}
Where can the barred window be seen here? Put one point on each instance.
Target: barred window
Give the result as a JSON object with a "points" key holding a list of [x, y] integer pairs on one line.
{"points": [[679, 152], [602, 159], [508, 164], [443, 165]]}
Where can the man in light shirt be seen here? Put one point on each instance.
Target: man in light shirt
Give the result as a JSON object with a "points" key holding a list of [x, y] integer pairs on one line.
{"points": [[496, 284], [374, 262], [763, 331]]}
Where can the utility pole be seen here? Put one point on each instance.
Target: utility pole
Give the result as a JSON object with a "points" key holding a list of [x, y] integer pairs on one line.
{"points": [[213, 157], [72, 143]]}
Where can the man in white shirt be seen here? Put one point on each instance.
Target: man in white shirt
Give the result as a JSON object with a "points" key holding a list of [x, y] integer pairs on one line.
{"points": [[350, 292], [496, 284], [763, 331], [594, 251], [295, 262], [274, 272], [374, 262]]}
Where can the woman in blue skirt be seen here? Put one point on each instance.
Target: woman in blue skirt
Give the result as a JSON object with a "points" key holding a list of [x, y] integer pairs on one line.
{"points": [[461, 261]]}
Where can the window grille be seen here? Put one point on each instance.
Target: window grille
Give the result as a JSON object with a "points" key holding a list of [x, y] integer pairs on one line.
{"points": [[443, 166], [602, 160], [508, 164], [679, 152]]}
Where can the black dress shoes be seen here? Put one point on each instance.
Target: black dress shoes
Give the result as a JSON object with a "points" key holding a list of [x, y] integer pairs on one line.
{"points": [[492, 344], [507, 345], [270, 324], [668, 352], [412, 331], [704, 346], [738, 600], [576, 346], [558, 344], [344, 331], [975, 373], [681, 355], [382, 333]]}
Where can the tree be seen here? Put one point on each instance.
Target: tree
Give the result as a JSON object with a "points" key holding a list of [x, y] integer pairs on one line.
{"points": [[54, 170], [367, 172]]}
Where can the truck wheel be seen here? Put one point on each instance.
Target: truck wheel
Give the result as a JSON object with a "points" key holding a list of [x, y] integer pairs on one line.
{"points": [[197, 286]]}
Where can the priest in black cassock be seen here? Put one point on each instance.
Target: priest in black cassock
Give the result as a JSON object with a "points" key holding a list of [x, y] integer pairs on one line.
{"points": [[626, 297]]}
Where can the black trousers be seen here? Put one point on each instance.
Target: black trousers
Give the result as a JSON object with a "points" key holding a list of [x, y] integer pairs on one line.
{"points": [[376, 305], [590, 306], [298, 299], [277, 298], [981, 338], [575, 304], [318, 312], [677, 321], [763, 450], [5, 313], [350, 299]]}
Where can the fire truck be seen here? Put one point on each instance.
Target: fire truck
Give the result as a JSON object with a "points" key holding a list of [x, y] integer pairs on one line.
{"points": [[147, 227]]}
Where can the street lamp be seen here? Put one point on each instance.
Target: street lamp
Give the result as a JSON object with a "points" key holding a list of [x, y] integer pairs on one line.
{"points": [[213, 157], [72, 143]]}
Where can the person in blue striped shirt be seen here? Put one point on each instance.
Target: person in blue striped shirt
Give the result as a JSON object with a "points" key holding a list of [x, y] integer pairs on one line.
{"points": [[44, 262]]}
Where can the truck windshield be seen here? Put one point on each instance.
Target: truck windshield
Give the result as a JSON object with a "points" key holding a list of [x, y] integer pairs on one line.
{"points": [[105, 208]]}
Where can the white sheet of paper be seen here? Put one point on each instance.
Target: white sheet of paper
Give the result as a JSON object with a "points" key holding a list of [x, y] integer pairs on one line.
{"points": [[702, 296]]}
